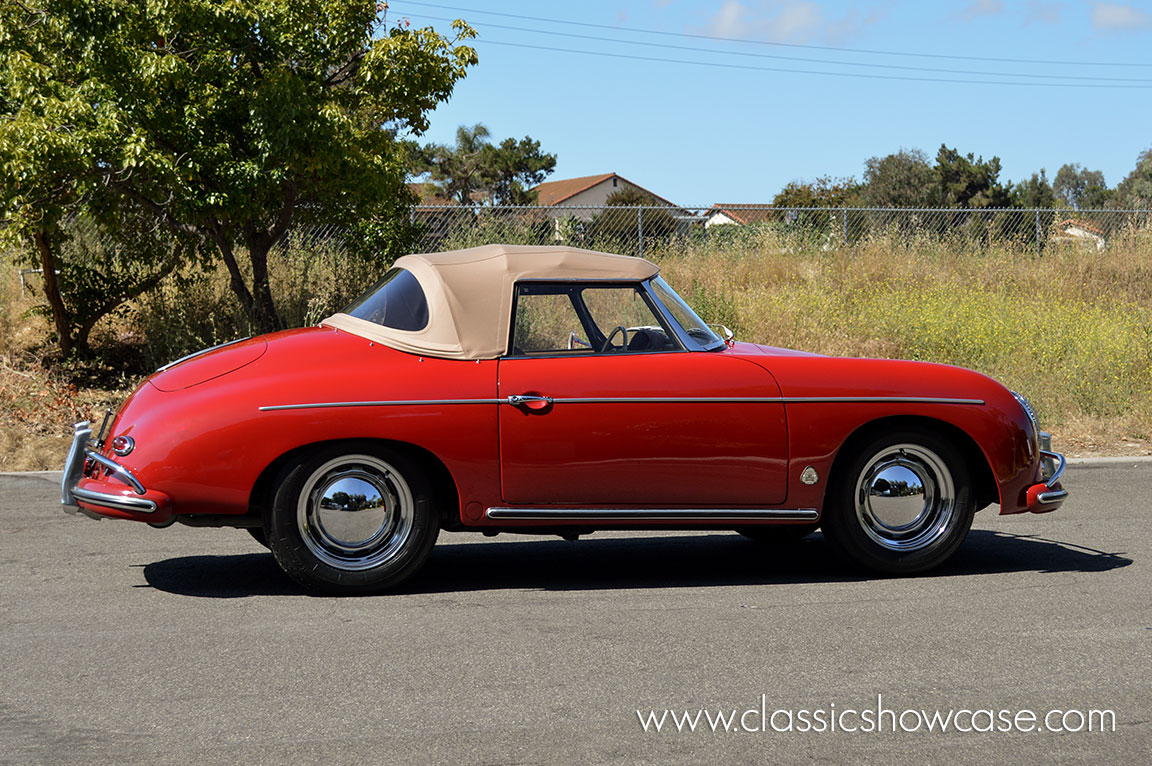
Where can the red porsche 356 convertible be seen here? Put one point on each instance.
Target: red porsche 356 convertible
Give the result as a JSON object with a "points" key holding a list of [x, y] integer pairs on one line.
{"points": [[553, 390]]}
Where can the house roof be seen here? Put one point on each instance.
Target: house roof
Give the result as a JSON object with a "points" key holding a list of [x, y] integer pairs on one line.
{"points": [[469, 295], [744, 214], [1068, 223], [555, 192]]}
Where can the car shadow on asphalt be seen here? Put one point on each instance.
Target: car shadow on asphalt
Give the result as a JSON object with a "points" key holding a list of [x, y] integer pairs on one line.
{"points": [[664, 561]]}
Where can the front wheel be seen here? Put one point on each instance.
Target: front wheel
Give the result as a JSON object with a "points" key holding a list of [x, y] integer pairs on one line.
{"points": [[902, 504], [351, 518]]}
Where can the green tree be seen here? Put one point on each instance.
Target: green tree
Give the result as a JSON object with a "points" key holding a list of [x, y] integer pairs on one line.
{"points": [[621, 222], [227, 122], [825, 192], [1036, 192], [1079, 187], [457, 171], [903, 179], [475, 170], [517, 166], [1135, 191], [95, 250], [965, 181]]}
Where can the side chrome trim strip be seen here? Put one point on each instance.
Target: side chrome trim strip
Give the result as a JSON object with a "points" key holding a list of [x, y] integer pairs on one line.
{"points": [[638, 400], [396, 403], [121, 502], [651, 514], [755, 399]]}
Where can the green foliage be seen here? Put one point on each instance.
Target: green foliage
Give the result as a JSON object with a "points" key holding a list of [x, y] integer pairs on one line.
{"points": [[1078, 187], [1135, 191], [629, 210], [477, 171], [966, 181], [714, 305], [228, 122], [825, 192], [903, 179], [1036, 192]]}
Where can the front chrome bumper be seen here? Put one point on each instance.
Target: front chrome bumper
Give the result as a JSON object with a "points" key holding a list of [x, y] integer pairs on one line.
{"points": [[1052, 468], [1047, 495], [71, 495]]}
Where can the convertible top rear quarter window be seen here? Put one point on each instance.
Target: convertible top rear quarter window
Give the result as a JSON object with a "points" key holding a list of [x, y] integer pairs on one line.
{"points": [[396, 301]]}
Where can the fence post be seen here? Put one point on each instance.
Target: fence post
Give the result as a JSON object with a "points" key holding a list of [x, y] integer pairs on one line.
{"points": [[1038, 233], [640, 229]]}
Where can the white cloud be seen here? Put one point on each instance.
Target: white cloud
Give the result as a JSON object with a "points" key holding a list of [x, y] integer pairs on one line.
{"points": [[978, 8], [1043, 12], [791, 21], [1119, 17]]}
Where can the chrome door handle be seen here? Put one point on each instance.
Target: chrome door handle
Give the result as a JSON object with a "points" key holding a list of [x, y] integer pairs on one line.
{"points": [[518, 400]]}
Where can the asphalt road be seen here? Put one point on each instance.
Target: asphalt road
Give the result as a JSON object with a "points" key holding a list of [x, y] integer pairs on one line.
{"points": [[126, 644]]}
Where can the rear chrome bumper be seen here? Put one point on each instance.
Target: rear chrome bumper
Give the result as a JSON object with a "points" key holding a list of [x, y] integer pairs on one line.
{"points": [[78, 455]]}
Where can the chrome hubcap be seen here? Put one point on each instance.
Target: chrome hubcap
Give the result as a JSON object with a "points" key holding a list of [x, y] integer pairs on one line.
{"points": [[355, 512], [905, 498]]}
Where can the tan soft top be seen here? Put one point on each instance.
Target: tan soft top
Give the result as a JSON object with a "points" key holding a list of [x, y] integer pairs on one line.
{"points": [[469, 294]]}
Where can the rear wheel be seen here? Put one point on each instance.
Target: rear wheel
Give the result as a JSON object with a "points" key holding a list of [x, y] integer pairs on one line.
{"points": [[902, 504], [351, 518], [258, 535]]}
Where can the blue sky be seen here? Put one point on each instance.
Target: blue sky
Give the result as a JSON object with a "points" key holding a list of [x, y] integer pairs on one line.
{"points": [[698, 134]]}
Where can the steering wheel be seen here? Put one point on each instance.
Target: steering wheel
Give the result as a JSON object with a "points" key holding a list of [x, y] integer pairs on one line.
{"points": [[608, 341]]}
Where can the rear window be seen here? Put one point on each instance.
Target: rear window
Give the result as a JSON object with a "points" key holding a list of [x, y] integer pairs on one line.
{"points": [[396, 301]]}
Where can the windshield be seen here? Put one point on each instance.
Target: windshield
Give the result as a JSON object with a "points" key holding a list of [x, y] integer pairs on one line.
{"points": [[685, 316]]}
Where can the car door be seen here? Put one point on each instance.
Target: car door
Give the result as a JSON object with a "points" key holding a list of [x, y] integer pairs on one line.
{"points": [[602, 420]]}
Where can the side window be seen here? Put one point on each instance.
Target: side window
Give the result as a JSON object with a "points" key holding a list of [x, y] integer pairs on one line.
{"points": [[562, 319], [546, 322]]}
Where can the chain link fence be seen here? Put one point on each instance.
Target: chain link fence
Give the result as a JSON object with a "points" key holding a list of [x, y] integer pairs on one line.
{"points": [[635, 230], [647, 230]]}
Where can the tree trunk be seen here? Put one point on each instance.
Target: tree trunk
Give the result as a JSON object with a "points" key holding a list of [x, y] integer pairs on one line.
{"points": [[52, 293], [239, 288], [266, 318]]}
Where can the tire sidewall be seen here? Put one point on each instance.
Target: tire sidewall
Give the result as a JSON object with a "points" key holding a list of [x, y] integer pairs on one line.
{"points": [[842, 527], [293, 555]]}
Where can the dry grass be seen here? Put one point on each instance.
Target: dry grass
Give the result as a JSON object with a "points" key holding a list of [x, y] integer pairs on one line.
{"points": [[1072, 330], [40, 405]]}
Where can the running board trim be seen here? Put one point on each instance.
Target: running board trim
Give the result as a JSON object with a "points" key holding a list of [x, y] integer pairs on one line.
{"points": [[652, 514]]}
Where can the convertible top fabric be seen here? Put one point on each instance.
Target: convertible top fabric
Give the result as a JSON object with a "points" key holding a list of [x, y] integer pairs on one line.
{"points": [[469, 294]]}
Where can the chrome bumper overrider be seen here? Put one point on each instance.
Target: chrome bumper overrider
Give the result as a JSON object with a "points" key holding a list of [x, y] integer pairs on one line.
{"points": [[1052, 468], [74, 472]]}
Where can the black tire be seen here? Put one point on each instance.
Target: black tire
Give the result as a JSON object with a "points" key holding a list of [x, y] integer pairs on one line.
{"points": [[778, 534], [875, 514], [351, 518], [258, 535]]}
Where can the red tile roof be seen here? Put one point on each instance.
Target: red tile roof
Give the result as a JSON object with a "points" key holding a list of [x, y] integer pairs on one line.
{"points": [[1068, 223], [555, 192], [745, 214]]}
